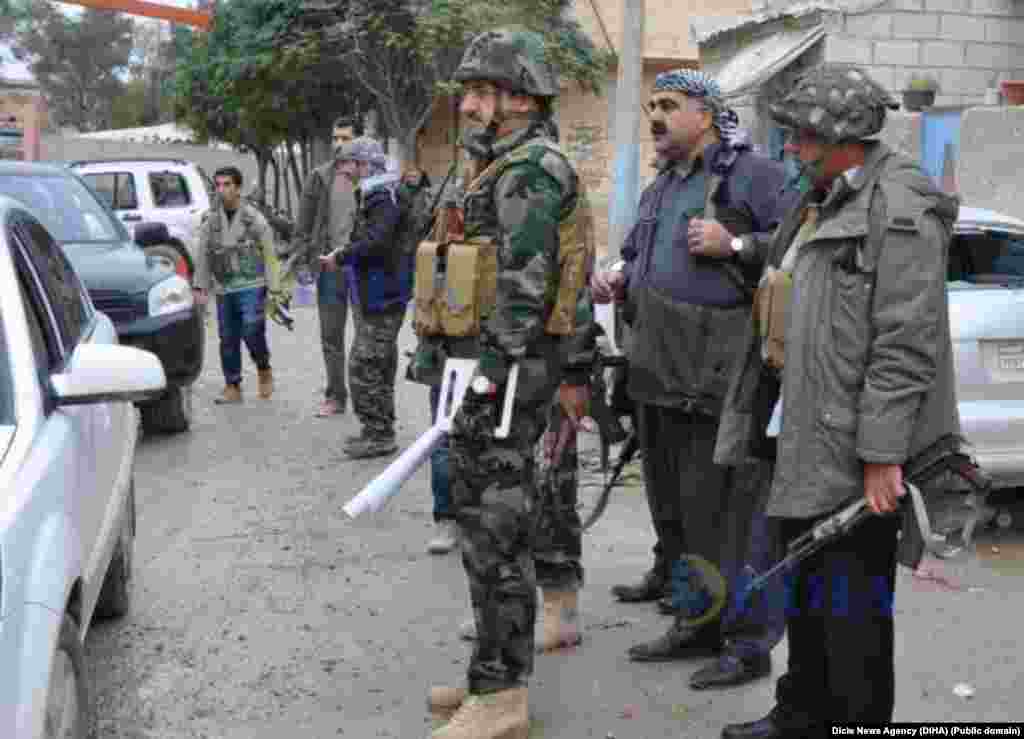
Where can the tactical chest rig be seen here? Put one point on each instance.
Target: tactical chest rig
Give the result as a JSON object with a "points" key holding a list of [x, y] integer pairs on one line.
{"points": [[456, 283], [242, 257]]}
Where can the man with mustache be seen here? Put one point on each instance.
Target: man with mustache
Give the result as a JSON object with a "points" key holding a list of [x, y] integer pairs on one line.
{"points": [[527, 205], [687, 297]]}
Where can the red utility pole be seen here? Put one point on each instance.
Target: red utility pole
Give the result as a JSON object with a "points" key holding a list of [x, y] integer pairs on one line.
{"points": [[198, 18]]}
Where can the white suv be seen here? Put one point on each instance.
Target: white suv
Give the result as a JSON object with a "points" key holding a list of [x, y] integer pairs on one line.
{"points": [[170, 191]]}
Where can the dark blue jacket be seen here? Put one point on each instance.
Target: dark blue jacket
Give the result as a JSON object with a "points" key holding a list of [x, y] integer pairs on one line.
{"points": [[375, 268]]}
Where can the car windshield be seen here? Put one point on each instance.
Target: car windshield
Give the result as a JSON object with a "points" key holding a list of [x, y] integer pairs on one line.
{"points": [[65, 206], [989, 258]]}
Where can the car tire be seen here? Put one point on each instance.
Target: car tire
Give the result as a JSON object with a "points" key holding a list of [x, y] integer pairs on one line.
{"points": [[116, 593], [68, 712], [176, 256], [171, 413]]}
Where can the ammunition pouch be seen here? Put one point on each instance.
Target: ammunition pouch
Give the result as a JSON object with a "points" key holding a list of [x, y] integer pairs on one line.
{"points": [[456, 287], [771, 309]]}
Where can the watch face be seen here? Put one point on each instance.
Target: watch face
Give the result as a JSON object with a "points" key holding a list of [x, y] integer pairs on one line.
{"points": [[737, 244], [481, 385]]}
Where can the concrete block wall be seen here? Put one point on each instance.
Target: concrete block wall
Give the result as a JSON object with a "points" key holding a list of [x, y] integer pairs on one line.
{"points": [[991, 153], [970, 46]]}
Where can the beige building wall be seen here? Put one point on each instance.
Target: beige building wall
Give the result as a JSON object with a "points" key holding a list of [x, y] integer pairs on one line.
{"points": [[585, 119]]}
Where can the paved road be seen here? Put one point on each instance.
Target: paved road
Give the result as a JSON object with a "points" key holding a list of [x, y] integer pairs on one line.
{"points": [[261, 611]]}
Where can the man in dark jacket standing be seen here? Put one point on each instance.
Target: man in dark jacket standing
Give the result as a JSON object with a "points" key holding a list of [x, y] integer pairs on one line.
{"points": [[857, 277], [379, 283], [326, 215], [689, 311]]}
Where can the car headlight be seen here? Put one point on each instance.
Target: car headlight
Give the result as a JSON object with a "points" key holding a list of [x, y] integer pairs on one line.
{"points": [[170, 296]]}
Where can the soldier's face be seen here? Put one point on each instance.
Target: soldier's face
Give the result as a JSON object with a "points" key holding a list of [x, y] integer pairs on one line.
{"points": [[484, 102], [813, 155], [229, 192], [678, 123]]}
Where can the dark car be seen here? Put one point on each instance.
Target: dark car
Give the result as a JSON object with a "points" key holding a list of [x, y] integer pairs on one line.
{"points": [[150, 305]]}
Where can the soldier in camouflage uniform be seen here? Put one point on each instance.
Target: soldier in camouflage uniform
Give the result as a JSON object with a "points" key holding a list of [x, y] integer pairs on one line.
{"points": [[856, 275], [236, 259], [378, 284], [521, 200]]}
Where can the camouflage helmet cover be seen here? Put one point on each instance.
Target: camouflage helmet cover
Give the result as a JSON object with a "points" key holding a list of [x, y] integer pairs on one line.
{"points": [[513, 59], [362, 149], [837, 103]]}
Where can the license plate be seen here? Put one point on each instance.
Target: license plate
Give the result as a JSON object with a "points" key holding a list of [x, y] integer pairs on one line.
{"points": [[1004, 359]]}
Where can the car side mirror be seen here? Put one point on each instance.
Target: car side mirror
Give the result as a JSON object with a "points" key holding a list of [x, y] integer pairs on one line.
{"points": [[101, 373], [151, 233]]}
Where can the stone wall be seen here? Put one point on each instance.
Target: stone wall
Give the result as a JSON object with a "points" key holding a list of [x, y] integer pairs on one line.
{"points": [[970, 46]]}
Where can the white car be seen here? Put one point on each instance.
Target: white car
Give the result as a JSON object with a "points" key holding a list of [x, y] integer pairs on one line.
{"points": [[68, 431], [986, 305], [170, 191]]}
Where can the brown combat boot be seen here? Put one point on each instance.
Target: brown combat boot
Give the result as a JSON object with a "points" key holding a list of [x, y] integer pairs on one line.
{"points": [[230, 395], [444, 701], [561, 621], [266, 382], [500, 715]]}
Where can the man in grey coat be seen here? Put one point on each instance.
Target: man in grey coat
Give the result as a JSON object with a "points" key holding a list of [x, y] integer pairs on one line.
{"points": [[854, 319], [326, 216]]}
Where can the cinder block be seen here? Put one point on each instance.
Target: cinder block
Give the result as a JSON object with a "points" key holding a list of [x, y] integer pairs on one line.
{"points": [[997, 7], [963, 28], [965, 81], [903, 132], [897, 53], [1004, 30], [990, 56], [886, 77], [869, 25], [991, 149], [845, 50], [917, 25], [905, 5], [942, 54], [948, 6]]}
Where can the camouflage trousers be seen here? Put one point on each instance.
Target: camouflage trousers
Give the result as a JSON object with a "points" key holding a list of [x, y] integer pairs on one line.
{"points": [[372, 365], [558, 539], [494, 498]]}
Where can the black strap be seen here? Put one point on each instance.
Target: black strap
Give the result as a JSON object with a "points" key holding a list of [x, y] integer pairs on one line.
{"points": [[731, 270]]}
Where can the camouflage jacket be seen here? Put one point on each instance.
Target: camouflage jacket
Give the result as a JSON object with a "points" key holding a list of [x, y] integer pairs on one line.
{"points": [[868, 371], [522, 209], [236, 256]]}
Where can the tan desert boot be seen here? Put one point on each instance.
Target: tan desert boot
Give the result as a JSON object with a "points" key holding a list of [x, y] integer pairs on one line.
{"points": [[561, 621], [266, 382], [229, 395], [504, 714], [444, 701]]}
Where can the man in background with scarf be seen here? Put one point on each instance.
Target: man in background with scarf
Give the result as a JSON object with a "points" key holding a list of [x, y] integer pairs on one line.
{"points": [[687, 298], [379, 283]]}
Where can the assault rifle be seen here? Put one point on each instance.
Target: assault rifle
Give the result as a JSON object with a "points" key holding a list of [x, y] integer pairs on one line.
{"points": [[943, 457]]}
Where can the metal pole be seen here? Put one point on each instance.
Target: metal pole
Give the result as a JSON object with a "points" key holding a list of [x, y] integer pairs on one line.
{"points": [[626, 131]]}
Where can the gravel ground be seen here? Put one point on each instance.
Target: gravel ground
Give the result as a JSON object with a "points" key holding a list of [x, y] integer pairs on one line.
{"points": [[260, 610]]}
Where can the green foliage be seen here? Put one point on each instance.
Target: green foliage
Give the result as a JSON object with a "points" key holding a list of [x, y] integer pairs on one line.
{"points": [[78, 62]]}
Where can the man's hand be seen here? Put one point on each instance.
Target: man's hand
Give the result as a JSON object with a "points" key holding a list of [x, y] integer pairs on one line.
{"points": [[608, 285], [709, 239], [328, 262], [575, 403], [200, 295], [883, 486]]}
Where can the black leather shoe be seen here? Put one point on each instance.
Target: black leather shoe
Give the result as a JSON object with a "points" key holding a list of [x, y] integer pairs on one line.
{"points": [[679, 642], [652, 587], [773, 726], [665, 606], [728, 670]]}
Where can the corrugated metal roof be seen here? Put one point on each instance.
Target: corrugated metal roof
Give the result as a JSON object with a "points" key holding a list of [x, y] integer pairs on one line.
{"points": [[765, 58], [704, 28], [14, 71]]}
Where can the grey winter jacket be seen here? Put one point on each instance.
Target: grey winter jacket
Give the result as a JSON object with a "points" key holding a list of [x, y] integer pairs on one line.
{"points": [[313, 223], [868, 360]]}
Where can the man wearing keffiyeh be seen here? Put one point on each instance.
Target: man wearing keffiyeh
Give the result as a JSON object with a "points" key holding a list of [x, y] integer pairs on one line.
{"points": [[686, 289]]}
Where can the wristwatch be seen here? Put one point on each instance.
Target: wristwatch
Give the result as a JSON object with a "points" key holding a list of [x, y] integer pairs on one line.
{"points": [[481, 385], [737, 245]]}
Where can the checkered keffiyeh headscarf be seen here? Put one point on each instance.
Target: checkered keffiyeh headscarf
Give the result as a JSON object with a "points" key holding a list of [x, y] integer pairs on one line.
{"points": [[699, 85]]}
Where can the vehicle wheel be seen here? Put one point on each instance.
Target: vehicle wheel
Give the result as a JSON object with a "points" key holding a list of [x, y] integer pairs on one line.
{"points": [[170, 414], [115, 595], [68, 711], [174, 256]]}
